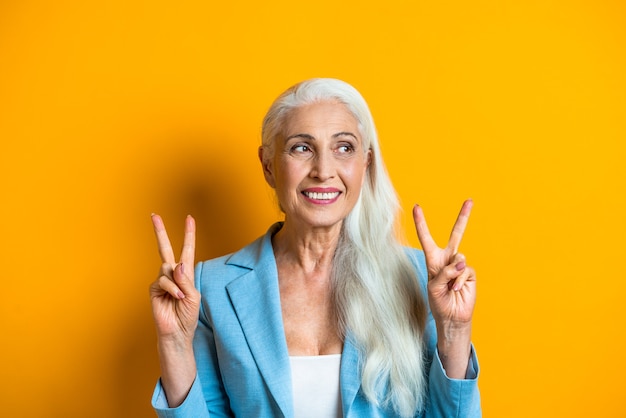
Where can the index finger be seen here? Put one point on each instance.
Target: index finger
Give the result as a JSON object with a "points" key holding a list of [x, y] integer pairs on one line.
{"points": [[459, 226], [423, 234], [163, 241], [189, 242]]}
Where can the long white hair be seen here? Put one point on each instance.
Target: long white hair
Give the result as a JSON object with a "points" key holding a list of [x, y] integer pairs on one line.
{"points": [[378, 298]]}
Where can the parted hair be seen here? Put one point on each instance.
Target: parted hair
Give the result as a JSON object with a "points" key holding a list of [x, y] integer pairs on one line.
{"points": [[378, 299]]}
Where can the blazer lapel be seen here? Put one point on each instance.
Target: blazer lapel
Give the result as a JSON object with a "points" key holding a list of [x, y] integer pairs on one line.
{"points": [[255, 297], [350, 374]]}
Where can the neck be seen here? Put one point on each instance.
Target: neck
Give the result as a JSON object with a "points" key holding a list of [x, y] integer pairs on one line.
{"points": [[311, 249]]}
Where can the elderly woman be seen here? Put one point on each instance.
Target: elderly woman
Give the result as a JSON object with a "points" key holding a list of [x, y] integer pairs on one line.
{"points": [[327, 314]]}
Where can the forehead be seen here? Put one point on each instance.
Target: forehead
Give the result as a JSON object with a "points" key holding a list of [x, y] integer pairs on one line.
{"points": [[321, 117]]}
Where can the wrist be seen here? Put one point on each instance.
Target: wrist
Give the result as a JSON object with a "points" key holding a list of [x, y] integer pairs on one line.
{"points": [[454, 344], [178, 370], [175, 342], [454, 337], [453, 330]]}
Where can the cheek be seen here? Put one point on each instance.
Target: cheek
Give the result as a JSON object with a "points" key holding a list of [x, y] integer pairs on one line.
{"points": [[356, 173], [288, 177]]}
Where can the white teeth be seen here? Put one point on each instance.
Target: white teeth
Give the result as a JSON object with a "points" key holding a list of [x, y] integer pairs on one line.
{"points": [[321, 196]]}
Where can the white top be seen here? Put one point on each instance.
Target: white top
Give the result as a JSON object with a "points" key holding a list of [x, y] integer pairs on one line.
{"points": [[315, 381]]}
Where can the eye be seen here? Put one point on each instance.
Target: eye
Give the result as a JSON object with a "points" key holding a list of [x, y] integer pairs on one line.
{"points": [[300, 149], [345, 148]]}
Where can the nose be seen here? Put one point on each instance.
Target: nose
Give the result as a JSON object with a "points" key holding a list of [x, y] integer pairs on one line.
{"points": [[323, 167]]}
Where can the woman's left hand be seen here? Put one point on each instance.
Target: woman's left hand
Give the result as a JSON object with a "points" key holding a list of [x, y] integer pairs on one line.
{"points": [[451, 291]]}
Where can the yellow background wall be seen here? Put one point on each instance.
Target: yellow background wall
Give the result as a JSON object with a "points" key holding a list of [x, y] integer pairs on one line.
{"points": [[112, 110]]}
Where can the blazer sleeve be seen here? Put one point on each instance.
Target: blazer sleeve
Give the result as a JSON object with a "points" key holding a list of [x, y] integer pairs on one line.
{"points": [[193, 406], [207, 397], [453, 397]]}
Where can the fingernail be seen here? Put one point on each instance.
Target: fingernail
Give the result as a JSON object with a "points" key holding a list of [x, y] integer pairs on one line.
{"points": [[181, 295], [182, 268], [460, 265], [456, 287]]}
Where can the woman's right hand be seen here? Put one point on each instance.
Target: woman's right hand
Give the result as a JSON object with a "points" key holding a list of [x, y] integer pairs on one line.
{"points": [[175, 307], [175, 300]]}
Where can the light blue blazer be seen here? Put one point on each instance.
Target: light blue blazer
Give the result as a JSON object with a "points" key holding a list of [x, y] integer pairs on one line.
{"points": [[242, 357]]}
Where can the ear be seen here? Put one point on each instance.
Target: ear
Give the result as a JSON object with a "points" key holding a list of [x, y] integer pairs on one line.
{"points": [[268, 168], [369, 157]]}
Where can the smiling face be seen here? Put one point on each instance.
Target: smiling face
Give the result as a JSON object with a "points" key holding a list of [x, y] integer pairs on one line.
{"points": [[318, 166]]}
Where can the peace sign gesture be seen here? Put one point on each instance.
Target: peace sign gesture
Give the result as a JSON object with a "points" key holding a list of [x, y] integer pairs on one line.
{"points": [[175, 300], [451, 283], [451, 292]]}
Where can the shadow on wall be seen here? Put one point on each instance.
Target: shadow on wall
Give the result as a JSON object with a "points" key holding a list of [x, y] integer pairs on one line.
{"points": [[195, 181]]}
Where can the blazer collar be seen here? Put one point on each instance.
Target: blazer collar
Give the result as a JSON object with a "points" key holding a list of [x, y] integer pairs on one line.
{"points": [[258, 254]]}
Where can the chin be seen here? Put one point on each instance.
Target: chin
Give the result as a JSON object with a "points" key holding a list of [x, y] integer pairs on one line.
{"points": [[318, 221]]}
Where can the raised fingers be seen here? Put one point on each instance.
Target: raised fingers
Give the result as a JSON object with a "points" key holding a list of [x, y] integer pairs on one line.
{"points": [[459, 226], [163, 241], [189, 243], [423, 234]]}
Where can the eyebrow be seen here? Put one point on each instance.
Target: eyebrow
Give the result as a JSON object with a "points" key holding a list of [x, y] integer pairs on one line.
{"points": [[303, 136], [338, 134], [311, 137]]}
